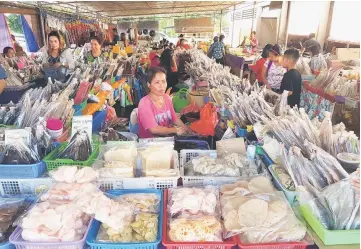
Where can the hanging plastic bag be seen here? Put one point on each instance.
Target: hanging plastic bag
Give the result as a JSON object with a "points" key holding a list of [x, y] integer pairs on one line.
{"points": [[208, 121]]}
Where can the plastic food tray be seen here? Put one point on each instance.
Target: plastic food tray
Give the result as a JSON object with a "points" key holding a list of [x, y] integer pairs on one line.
{"points": [[228, 244], [201, 181], [290, 195], [54, 163], [328, 237], [95, 225], [141, 182], [33, 186], [19, 243], [22, 170], [284, 245]]}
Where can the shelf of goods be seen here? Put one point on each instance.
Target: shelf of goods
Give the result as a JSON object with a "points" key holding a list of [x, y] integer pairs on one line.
{"points": [[95, 226]]}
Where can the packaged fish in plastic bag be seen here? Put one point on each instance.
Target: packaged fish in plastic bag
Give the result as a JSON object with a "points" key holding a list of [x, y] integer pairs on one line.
{"points": [[79, 147]]}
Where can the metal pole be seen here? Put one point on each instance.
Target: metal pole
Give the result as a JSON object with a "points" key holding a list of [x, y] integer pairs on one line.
{"points": [[254, 7], [42, 24], [287, 22], [220, 23], [234, 10]]}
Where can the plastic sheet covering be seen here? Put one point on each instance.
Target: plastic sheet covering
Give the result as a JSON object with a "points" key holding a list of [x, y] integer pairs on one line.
{"points": [[303, 67], [337, 206], [326, 133], [18, 152]]}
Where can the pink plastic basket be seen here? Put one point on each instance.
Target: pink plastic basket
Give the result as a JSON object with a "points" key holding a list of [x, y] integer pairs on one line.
{"points": [[285, 245], [228, 244], [19, 243]]}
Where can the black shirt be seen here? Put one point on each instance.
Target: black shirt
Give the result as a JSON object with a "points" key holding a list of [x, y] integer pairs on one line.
{"points": [[292, 81]]}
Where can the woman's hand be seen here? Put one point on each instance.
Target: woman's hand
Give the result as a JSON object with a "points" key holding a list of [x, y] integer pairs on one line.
{"points": [[181, 131]]}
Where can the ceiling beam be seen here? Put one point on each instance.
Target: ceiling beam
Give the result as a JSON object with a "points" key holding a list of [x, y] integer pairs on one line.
{"points": [[159, 13]]}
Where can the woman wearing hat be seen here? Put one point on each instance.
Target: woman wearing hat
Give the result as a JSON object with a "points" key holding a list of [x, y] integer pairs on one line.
{"points": [[273, 71]]}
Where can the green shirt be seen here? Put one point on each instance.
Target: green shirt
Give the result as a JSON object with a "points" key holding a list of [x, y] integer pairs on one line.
{"points": [[89, 58]]}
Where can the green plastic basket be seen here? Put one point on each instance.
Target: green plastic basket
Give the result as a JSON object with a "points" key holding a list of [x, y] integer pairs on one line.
{"points": [[329, 237], [53, 163]]}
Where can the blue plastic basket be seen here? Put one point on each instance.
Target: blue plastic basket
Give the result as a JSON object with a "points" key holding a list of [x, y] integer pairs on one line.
{"points": [[98, 120], [290, 195], [241, 132], [200, 144], [93, 232], [22, 170], [7, 245], [266, 159]]}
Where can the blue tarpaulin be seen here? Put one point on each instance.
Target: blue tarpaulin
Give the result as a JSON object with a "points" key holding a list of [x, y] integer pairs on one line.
{"points": [[29, 36]]}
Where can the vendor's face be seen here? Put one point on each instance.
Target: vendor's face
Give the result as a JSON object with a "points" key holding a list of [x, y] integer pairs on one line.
{"points": [[11, 53], [94, 46], [158, 84], [54, 42]]}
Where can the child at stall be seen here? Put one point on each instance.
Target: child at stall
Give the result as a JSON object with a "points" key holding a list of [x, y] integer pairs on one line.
{"points": [[258, 66], [292, 80]]}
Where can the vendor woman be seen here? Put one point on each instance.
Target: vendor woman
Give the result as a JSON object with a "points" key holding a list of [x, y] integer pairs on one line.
{"points": [[95, 53], [57, 61], [156, 115]]}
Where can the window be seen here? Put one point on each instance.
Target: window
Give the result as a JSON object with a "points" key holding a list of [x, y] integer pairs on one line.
{"points": [[305, 17], [345, 25]]}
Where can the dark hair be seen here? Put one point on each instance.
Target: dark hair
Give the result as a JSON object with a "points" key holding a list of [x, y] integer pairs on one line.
{"points": [[215, 39], [95, 38], [315, 50], [6, 50], [276, 50], [292, 54], [115, 30], [153, 71], [171, 45], [312, 35], [122, 37], [181, 40], [166, 59], [253, 32], [266, 50], [221, 37], [194, 34], [54, 33], [181, 35]]}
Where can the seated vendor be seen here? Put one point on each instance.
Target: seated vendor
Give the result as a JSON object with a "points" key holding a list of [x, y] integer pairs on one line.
{"points": [[156, 115], [57, 61], [95, 53]]}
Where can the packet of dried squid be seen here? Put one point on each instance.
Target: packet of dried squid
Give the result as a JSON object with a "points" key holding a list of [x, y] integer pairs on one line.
{"points": [[195, 228]]}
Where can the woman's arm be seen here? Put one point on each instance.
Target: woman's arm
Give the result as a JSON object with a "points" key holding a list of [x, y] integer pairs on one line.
{"points": [[2, 85], [264, 76], [180, 123], [160, 130]]}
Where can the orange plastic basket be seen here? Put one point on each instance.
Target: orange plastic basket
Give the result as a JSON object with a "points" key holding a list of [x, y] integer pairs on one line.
{"points": [[228, 244]]}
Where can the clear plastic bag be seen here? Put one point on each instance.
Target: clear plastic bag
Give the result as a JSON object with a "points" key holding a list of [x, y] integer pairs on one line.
{"points": [[143, 203], [9, 209], [71, 174], [326, 133], [194, 201], [263, 218], [79, 147], [18, 152]]}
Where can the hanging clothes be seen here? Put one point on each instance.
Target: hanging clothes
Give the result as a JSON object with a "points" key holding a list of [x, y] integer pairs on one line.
{"points": [[31, 42], [5, 39]]}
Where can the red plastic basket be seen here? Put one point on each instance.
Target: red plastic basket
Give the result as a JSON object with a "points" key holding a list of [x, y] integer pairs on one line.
{"points": [[228, 244], [285, 245]]}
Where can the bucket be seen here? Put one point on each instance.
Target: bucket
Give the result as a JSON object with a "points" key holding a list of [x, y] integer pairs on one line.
{"points": [[197, 97]]}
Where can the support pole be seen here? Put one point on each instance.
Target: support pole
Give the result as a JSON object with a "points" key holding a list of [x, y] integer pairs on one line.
{"points": [[42, 24], [234, 10], [254, 7], [287, 22], [220, 23]]}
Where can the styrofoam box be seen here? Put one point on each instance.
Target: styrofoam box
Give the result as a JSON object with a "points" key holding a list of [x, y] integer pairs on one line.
{"points": [[142, 182], [24, 186], [201, 181]]}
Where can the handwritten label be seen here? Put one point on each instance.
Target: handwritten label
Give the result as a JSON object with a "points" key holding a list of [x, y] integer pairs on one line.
{"points": [[82, 123], [17, 134]]}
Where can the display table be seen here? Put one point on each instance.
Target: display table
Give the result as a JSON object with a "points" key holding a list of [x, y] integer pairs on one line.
{"points": [[320, 244], [236, 63]]}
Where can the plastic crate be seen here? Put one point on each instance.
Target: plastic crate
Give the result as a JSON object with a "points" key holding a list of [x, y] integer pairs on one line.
{"points": [[141, 182], [290, 195], [228, 244], [24, 186], [19, 243], [22, 170], [201, 181], [329, 237], [98, 120], [53, 163], [80, 106], [241, 132], [14, 93], [93, 232], [200, 144], [283, 245], [6, 245]]}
